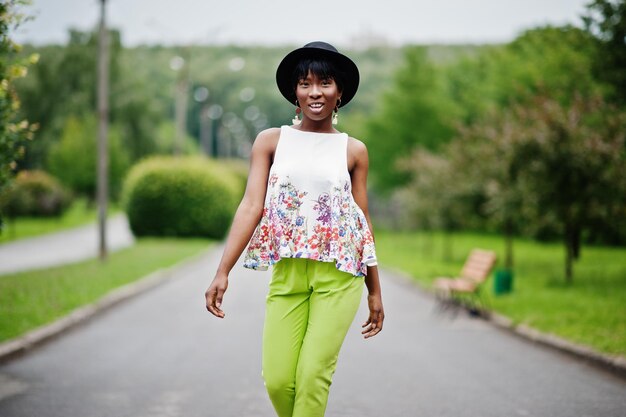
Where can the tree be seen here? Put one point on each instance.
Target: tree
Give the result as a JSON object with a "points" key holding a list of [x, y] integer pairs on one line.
{"points": [[572, 167], [555, 61], [606, 20], [73, 158], [432, 196], [14, 131], [483, 157], [63, 85], [415, 112]]}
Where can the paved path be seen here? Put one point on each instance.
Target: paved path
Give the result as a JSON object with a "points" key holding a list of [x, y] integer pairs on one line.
{"points": [[63, 247], [162, 355]]}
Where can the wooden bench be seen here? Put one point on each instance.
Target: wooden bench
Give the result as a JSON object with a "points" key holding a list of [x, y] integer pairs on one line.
{"points": [[467, 286]]}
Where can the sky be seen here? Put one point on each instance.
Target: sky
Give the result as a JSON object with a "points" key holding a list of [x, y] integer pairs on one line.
{"points": [[280, 22]]}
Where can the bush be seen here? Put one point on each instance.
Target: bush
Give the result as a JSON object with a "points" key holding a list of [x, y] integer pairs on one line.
{"points": [[185, 196], [35, 193], [239, 168]]}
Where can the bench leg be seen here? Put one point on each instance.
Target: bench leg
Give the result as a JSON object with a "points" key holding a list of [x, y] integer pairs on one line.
{"points": [[445, 302]]}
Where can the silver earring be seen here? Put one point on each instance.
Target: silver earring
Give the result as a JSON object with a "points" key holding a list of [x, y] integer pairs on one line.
{"points": [[296, 120]]}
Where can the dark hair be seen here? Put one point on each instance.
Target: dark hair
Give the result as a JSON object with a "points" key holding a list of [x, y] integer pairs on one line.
{"points": [[321, 68]]}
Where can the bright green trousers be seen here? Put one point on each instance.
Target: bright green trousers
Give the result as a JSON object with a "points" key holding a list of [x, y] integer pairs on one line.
{"points": [[310, 307]]}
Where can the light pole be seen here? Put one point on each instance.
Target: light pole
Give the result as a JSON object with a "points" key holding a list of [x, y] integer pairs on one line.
{"points": [[181, 66], [201, 95], [214, 112], [102, 185]]}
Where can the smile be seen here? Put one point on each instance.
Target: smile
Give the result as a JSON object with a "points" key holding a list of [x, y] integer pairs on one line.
{"points": [[316, 105]]}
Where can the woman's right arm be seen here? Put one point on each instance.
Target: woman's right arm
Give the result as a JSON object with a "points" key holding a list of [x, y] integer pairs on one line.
{"points": [[246, 217]]}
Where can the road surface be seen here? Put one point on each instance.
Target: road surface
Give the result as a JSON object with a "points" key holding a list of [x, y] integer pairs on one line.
{"points": [[64, 247]]}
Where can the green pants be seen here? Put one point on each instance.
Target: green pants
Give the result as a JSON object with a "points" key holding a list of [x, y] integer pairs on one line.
{"points": [[310, 307]]}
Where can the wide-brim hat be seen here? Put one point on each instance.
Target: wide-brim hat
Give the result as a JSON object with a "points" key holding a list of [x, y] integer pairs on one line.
{"points": [[313, 50]]}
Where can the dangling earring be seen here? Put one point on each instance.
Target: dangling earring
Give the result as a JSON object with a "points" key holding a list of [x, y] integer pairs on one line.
{"points": [[335, 118], [296, 120]]}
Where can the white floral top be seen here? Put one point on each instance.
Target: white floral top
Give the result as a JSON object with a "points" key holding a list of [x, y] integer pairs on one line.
{"points": [[309, 209]]}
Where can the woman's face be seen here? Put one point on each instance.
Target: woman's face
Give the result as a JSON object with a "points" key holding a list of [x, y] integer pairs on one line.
{"points": [[317, 97]]}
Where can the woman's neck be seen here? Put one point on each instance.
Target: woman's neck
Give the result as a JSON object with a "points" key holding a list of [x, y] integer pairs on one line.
{"points": [[318, 126]]}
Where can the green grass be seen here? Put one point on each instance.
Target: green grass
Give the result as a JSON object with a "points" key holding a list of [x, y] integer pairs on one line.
{"points": [[591, 311], [80, 213], [31, 299]]}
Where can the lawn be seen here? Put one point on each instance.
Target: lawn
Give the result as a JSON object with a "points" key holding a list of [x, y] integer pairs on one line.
{"points": [[31, 299], [591, 311], [80, 213]]}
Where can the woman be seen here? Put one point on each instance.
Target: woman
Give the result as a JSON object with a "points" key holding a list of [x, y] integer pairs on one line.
{"points": [[305, 212]]}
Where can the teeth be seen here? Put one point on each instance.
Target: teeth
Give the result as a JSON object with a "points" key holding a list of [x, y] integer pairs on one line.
{"points": [[316, 105]]}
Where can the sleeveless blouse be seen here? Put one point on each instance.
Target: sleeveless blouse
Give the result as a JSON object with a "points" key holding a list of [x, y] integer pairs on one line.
{"points": [[309, 210]]}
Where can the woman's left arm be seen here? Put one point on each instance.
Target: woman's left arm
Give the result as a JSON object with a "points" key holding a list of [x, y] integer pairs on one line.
{"points": [[358, 165]]}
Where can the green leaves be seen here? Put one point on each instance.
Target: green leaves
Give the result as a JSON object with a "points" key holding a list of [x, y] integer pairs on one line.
{"points": [[14, 131], [606, 20], [184, 196], [538, 150], [415, 112], [73, 158]]}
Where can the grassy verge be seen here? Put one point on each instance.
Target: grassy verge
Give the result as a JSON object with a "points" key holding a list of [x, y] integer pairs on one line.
{"points": [[31, 299], [591, 311], [80, 213]]}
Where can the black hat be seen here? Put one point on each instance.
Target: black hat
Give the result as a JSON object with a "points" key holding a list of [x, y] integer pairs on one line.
{"points": [[313, 50]]}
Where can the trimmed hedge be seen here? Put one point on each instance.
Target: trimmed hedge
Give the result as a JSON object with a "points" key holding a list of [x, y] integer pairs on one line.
{"points": [[181, 196], [35, 193]]}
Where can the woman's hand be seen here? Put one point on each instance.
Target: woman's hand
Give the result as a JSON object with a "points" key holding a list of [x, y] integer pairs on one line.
{"points": [[374, 323], [215, 293]]}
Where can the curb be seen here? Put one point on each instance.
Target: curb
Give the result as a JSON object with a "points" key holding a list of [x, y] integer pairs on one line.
{"points": [[38, 336], [613, 363]]}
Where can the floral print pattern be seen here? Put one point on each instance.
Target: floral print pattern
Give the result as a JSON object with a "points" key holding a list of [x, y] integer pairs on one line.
{"points": [[335, 231]]}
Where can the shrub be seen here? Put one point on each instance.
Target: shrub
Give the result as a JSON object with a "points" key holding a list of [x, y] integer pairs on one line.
{"points": [[185, 196], [239, 168], [35, 193]]}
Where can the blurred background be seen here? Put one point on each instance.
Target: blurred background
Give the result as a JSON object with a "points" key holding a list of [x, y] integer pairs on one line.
{"points": [[490, 124]]}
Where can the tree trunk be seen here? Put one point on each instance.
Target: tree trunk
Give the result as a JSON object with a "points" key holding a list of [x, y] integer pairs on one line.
{"points": [[576, 242], [508, 242], [570, 253]]}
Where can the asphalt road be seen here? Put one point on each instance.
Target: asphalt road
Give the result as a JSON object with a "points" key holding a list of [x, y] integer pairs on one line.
{"points": [[162, 355], [63, 247]]}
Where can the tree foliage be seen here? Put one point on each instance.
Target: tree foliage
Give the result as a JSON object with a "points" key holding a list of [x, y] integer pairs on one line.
{"points": [[14, 130], [555, 61], [73, 158], [63, 85], [573, 168], [539, 149], [606, 20], [415, 112], [542, 169]]}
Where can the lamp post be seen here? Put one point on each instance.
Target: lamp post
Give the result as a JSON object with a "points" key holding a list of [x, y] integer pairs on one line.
{"points": [[201, 95], [102, 186], [214, 112], [181, 66]]}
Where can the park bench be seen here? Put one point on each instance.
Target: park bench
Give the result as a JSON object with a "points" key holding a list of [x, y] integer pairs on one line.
{"points": [[465, 289]]}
